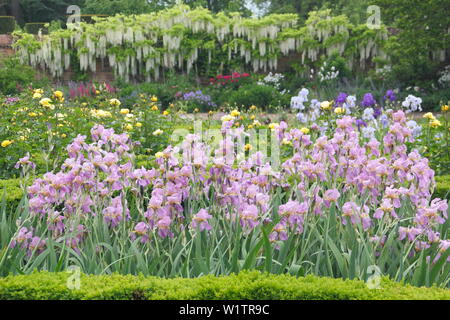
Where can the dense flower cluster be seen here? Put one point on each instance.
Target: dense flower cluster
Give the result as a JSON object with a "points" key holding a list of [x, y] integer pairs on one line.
{"points": [[374, 186], [226, 79]]}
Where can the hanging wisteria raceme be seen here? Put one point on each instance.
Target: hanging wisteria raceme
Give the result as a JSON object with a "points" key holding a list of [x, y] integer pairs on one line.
{"points": [[146, 44]]}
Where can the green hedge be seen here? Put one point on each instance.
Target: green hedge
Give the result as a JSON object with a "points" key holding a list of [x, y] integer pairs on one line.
{"points": [[7, 24], [251, 285], [443, 187], [33, 27], [10, 192]]}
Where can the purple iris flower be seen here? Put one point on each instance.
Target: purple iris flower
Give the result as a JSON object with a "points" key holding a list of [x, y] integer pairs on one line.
{"points": [[390, 95], [341, 98], [368, 100]]}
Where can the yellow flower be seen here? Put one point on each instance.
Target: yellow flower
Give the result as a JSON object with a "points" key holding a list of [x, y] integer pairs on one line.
{"points": [[124, 111], [154, 99], [40, 91], [273, 126], [227, 118], [46, 102], [37, 95], [250, 126], [154, 108], [339, 110], [210, 113], [165, 113], [253, 107], [248, 147], [84, 104], [256, 123], [286, 142], [33, 114], [138, 124], [429, 116], [235, 113], [304, 130], [97, 92], [435, 123], [325, 105], [445, 108], [196, 110], [58, 94], [159, 155], [64, 135], [157, 132], [252, 117], [22, 138], [6, 143], [115, 102], [129, 127]]}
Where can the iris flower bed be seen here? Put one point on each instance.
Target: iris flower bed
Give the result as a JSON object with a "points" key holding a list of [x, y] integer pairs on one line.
{"points": [[339, 206]]}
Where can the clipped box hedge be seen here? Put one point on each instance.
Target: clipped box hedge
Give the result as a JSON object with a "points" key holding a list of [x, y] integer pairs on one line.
{"points": [[7, 24], [248, 285]]}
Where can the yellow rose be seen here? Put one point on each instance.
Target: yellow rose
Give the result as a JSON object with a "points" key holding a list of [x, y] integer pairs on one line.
{"points": [[165, 113], [115, 102], [429, 116], [154, 99], [273, 126], [6, 143], [445, 108], [37, 95], [124, 111], [129, 127], [435, 123], [46, 102], [196, 110], [58, 94], [33, 114], [253, 107], [252, 117], [248, 147], [227, 118], [325, 105], [339, 110], [138, 124], [286, 142], [154, 108], [235, 113], [159, 155], [63, 135]]}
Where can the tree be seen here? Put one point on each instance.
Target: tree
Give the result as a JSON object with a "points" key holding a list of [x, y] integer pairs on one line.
{"points": [[421, 42]]}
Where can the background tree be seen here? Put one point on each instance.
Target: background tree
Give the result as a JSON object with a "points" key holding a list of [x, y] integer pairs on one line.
{"points": [[420, 45]]}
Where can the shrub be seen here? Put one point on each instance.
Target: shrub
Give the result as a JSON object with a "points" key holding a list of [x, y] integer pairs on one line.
{"points": [[14, 76], [263, 96], [247, 285]]}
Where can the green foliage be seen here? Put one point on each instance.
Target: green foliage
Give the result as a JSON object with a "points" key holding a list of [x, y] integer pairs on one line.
{"points": [[34, 27], [422, 33], [247, 285], [15, 76], [442, 187], [262, 96], [7, 24]]}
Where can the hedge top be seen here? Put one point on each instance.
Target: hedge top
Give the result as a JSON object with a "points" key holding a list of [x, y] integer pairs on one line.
{"points": [[250, 285]]}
